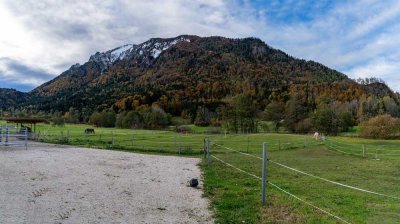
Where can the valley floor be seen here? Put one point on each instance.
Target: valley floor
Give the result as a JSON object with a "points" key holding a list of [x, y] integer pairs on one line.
{"points": [[66, 184]]}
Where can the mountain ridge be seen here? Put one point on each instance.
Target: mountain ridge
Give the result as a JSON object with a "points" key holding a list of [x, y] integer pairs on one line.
{"points": [[185, 72], [10, 97]]}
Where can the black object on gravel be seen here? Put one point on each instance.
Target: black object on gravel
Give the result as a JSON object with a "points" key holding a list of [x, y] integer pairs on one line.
{"points": [[194, 182]]}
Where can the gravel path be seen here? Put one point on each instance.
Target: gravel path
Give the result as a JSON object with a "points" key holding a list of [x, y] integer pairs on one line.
{"points": [[65, 184]]}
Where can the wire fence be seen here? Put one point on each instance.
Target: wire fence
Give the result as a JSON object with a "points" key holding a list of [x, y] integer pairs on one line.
{"points": [[374, 151], [155, 141], [312, 175], [218, 145], [284, 191]]}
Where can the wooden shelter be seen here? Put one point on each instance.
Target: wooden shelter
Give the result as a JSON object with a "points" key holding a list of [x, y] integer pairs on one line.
{"points": [[31, 122]]}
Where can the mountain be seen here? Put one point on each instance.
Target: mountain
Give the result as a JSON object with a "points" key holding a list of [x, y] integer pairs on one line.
{"points": [[185, 71], [182, 73], [11, 98], [142, 55]]}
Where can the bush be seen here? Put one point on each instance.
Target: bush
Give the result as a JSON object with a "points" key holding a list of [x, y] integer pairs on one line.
{"points": [[381, 126], [203, 117], [215, 122], [131, 119], [266, 126], [58, 120], [177, 121], [183, 129], [150, 118], [103, 119], [155, 117], [304, 126]]}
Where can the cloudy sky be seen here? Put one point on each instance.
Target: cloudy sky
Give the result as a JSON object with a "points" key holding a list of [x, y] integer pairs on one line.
{"points": [[42, 38]]}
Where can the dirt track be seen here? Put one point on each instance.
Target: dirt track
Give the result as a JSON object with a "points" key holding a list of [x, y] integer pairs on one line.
{"points": [[60, 184]]}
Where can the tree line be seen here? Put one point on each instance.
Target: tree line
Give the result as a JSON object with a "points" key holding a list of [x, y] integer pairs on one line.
{"points": [[242, 114]]}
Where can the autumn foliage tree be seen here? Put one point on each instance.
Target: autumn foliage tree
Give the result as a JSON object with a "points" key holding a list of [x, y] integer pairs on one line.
{"points": [[203, 117], [381, 126], [274, 112], [240, 114], [325, 120]]}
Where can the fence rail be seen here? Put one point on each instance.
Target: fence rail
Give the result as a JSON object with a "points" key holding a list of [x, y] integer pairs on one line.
{"points": [[11, 136]]}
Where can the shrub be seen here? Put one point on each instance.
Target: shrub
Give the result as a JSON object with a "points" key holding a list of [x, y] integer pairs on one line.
{"points": [[215, 122], [177, 121], [131, 119], [155, 117], [203, 117], [103, 119], [303, 126], [183, 129], [58, 120], [381, 126]]}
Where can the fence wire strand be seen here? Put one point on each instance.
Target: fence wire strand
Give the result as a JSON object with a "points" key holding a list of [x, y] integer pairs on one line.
{"points": [[284, 191], [314, 176]]}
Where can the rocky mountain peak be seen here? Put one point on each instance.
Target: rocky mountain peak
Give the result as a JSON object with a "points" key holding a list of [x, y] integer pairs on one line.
{"points": [[150, 49]]}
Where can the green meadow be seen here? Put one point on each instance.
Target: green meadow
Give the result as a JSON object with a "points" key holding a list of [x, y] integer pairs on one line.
{"points": [[372, 165]]}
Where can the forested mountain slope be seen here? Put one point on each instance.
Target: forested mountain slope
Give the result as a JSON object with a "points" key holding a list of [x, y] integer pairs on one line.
{"points": [[185, 73], [11, 98], [182, 73]]}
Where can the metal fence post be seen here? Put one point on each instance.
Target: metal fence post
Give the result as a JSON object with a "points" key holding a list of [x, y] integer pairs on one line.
{"points": [[363, 148], [112, 138], [26, 138], [180, 143], [7, 133], [248, 144], [264, 172], [205, 147], [133, 139], [176, 147], [208, 152], [1, 135]]}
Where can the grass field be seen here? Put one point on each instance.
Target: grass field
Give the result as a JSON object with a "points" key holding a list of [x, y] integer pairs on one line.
{"points": [[372, 165], [147, 141], [238, 192]]}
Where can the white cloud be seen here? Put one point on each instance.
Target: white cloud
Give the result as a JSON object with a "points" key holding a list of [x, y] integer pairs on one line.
{"points": [[380, 68], [376, 18], [52, 35], [49, 36], [349, 37]]}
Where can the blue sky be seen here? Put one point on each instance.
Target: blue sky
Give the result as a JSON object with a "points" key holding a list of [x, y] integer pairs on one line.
{"points": [[44, 38]]}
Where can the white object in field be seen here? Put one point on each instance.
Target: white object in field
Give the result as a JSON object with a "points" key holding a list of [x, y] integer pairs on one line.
{"points": [[316, 136]]}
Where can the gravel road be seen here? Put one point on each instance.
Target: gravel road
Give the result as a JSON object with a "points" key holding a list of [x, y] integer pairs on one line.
{"points": [[66, 184]]}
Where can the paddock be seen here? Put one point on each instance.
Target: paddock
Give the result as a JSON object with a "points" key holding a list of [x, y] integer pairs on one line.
{"points": [[66, 184]]}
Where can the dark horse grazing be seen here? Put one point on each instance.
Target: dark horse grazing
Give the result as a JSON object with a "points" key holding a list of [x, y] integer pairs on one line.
{"points": [[89, 131]]}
